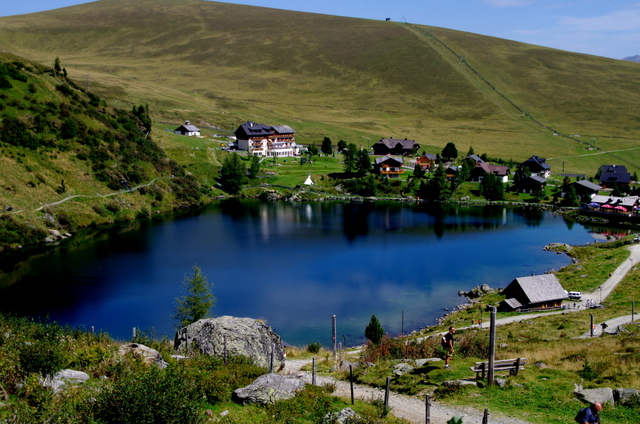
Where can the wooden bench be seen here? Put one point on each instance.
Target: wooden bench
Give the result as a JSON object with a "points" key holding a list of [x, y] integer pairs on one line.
{"points": [[511, 365]]}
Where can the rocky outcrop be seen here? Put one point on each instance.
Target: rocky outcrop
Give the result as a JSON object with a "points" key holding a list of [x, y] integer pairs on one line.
{"points": [[269, 388], [148, 355], [623, 396], [246, 337], [477, 292], [63, 378], [342, 417]]}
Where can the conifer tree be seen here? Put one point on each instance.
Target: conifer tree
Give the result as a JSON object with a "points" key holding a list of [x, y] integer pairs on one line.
{"points": [[374, 330], [197, 301]]}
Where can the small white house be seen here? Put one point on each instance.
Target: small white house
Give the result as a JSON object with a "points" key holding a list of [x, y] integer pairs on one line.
{"points": [[187, 129]]}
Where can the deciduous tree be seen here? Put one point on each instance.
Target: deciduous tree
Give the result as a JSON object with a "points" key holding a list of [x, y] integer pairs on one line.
{"points": [[450, 152], [492, 187], [233, 174]]}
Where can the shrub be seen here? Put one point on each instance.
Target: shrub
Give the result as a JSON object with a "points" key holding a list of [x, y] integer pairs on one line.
{"points": [[153, 396], [314, 347]]}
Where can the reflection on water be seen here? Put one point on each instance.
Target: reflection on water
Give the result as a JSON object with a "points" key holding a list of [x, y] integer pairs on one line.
{"points": [[292, 264]]}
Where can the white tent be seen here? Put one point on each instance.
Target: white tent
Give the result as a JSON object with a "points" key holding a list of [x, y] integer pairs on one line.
{"points": [[308, 181]]}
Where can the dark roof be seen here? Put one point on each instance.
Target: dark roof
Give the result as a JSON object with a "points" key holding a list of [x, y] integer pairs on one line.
{"points": [[499, 170], [476, 158], [283, 129], [383, 159], [393, 142], [513, 303], [539, 179], [536, 162], [614, 174], [588, 185], [430, 156], [540, 288]]}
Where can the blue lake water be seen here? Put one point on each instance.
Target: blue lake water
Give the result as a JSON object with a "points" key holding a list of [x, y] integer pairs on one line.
{"points": [[292, 264]]}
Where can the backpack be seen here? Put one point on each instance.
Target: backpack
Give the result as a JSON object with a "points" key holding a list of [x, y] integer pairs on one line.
{"points": [[580, 417], [445, 344]]}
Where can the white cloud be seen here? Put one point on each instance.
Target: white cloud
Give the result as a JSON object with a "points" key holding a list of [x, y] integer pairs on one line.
{"points": [[508, 3], [627, 19]]}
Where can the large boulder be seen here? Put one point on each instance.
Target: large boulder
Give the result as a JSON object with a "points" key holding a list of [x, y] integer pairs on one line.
{"points": [[342, 417], [65, 378], [602, 395], [146, 354], [269, 388], [623, 396], [246, 337]]}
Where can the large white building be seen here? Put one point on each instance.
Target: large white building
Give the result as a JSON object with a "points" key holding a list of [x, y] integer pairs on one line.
{"points": [[265, 140]]}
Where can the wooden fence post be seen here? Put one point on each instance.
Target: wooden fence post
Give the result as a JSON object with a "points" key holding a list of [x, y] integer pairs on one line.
{"points": [[428, 409], [485, 417], [492, 345], [351, 383], [333, 334], [313, 374], [386, 393]]}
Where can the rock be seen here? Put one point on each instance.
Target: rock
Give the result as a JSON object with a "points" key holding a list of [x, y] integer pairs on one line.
{"points": [[65, 378], [401, 369], [541, 365], [246, 337], [503, 345], [269, 388], [602, 395], [454, 383], [500, 382], [623, 396], [344, 365], [485, 288], [341, 417], [149, 356], [423, 362]]}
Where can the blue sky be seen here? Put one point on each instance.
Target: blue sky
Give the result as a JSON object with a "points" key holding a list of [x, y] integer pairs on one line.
{"points": [[609, 28]]}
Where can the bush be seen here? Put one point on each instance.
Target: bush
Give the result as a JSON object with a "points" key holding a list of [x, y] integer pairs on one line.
{"points": [[154, 396], [314, 347]]}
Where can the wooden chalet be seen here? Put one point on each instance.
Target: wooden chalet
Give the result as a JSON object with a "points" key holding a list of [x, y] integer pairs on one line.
{"points": [[187, 129], [586, 188], [388, 166], [536, 292], [537, 166], [531, 184], [427, 161], [393, 146], [486, 168], [476, 159], [614, 174]]}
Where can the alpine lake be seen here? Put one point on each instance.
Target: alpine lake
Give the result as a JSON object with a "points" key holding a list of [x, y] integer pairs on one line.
{"points": [[293, 265]]}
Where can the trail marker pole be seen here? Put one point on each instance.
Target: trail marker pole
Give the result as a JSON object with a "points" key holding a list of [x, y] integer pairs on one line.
{"points": [[313, 374], [351, 383], [386, 393], [492, 345], [592, 326], [427, 406]]}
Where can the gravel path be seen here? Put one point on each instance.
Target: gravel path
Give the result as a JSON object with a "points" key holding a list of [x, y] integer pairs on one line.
{"points": [[409, 408]]}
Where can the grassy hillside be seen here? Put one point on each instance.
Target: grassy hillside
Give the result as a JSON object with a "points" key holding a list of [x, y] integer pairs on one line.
{"points": [[59, 143], [350, 79]]}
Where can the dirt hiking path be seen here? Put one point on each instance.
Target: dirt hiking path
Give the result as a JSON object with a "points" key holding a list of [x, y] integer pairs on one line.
{"points": [[409, 408]]}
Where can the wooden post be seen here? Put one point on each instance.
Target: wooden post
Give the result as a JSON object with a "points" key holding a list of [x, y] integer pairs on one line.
{"points": [[386, 393], [333, 334], [492, 345], [351, 383], [485, 417], [592, 326], [427, 406], [313, 373]]}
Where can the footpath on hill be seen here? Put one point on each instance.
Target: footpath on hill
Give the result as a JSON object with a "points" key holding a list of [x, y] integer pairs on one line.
{"points": [[410, 408]]}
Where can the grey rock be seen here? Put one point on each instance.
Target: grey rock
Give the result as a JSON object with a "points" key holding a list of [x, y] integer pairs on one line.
{"points": [[341, 417], [623, 396], [424, 361], [148, 355], [485, 288], [454, 383], [500, 382], [269, 388], [602, 395], [344, 365], [541, 365], [63, 378], [401, 369], [503, 345], [246, 337]]}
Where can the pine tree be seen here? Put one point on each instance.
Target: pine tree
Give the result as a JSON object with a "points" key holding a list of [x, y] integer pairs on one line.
{"points": [[233, 174], [363, 164], [491, 187], [254, 168], [326, 146], [350, 158], [374, 330], [450, 152], [197, 301]]}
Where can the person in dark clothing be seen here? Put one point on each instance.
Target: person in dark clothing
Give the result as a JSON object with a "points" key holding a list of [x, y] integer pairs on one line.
{"points": [[589, 415], [447, 343]]}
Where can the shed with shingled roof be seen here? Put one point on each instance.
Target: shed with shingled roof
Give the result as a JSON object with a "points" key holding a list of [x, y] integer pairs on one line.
{"points": [[537, 291]]}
